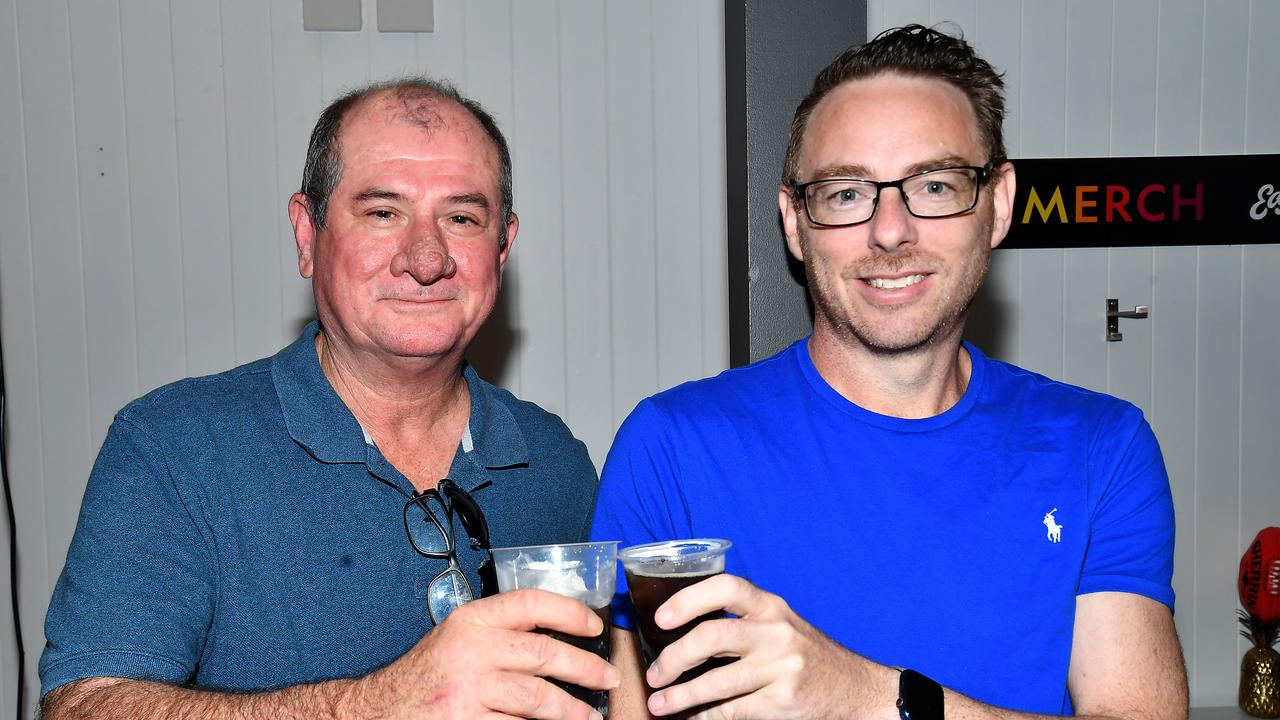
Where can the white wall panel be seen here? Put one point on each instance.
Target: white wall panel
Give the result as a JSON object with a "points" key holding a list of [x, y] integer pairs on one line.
{"points": [[632, 253], [202, 187], [540, 250], [1142, 77], [1215, 666], [17, 314], [253, 200], [151, 145], [151, 149], [297, 101], [712, 230]]}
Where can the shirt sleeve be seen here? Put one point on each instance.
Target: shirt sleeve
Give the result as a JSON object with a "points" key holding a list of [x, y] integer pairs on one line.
{"points": [[1132, 528], [135, 597]]}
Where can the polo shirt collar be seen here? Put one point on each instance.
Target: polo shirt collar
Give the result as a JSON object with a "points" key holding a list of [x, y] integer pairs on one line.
{"points": [[318, 420]]}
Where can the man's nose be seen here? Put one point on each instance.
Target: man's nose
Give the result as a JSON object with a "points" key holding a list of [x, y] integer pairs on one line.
{"points": [[891, 227], [425, 256]]}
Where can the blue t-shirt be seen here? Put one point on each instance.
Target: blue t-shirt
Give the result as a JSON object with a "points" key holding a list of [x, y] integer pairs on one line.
{"points": [[239, 533], [955, 545]]}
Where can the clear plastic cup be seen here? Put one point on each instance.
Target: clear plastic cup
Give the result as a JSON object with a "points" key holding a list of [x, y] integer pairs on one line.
{"points": [[583, 571], [655, 572]]}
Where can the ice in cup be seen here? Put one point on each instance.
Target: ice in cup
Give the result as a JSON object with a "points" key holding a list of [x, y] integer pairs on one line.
{"points": [[584, 571], [655, 572]]}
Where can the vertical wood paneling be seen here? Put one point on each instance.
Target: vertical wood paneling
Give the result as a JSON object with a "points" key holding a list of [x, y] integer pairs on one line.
{"points": [[629, 87], [1133, 78], [589, 409], [1178, 76], [536, 150], [1044, 78], [1217, 497], [1132, 132], [1084, 293], [1173, 414], [678, 270], [151, 137], [713, 246], [998, 33], [297, 100], [202, 188], [1088, 99], [103, 193], [17, 318], [57, 260], [253, 201], [1226, 25], [1262, 132], [1128, 363], [1038, 327], [442, 54]]}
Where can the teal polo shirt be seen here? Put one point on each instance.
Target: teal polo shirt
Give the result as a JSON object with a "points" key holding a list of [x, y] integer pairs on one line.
{"points": [[239, 532]]}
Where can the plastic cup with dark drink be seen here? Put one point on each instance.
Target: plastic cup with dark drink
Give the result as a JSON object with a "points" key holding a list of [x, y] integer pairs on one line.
{"points": [[657, 571], [584, 571]]}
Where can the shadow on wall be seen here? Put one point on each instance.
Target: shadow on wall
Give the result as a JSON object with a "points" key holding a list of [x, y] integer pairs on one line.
{"points": [[496, 343], [987, 316]]}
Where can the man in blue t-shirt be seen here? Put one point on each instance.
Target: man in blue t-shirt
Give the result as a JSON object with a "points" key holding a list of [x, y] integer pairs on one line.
{"points": [[277, 541], [895, 498]]}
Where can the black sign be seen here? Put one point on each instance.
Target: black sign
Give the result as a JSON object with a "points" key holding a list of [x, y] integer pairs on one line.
{"points": [[1146, 202]]}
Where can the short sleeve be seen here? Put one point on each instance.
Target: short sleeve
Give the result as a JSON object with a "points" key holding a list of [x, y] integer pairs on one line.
{"points": [[135, 598], [1132, 534]]}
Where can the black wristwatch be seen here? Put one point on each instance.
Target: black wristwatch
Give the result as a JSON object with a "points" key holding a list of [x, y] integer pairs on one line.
{"points": [[919, 698]]}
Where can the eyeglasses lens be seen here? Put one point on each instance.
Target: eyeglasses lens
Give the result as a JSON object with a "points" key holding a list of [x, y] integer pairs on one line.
{"points": [[447, 592]]}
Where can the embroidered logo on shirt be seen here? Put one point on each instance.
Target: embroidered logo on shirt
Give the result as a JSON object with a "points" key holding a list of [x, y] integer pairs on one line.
{"points": [[1055, 530]]}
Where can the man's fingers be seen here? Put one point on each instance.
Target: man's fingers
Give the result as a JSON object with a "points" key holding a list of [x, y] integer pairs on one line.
{"points": [[545, 655], [524, 696], [717, 593], [528, 609], [723, 685], [723, 638]]}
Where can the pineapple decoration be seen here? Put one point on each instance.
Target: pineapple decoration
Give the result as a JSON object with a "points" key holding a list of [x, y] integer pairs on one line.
{"points": [[1259, 586]]}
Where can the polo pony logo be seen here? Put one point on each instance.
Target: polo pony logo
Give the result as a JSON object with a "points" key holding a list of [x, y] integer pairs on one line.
{"points": [[1055, 530]]}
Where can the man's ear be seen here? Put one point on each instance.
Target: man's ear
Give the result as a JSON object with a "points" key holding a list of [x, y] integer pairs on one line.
{"points": [[513, 226], [1003, 184], [790, 222], [304, 233]]}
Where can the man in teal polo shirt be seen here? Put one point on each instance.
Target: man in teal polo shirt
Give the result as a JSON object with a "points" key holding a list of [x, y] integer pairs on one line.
{"points": [[276, 541]]}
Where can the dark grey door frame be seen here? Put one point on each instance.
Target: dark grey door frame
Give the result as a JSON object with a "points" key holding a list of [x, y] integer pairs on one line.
{"points": [[773, 48]]}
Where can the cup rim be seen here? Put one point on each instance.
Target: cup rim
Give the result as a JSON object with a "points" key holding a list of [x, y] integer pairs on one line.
{"points": [[713, 546], [614, 543]]}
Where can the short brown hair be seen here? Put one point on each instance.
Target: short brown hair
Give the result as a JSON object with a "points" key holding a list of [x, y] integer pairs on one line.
{"points": [[915, 51], [323, 168]]}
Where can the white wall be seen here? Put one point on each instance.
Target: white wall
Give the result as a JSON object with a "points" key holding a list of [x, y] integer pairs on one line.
{"points": [[1098, 78], [147, 149]]}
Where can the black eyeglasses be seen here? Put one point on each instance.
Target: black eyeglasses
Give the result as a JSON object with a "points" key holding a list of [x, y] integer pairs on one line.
{"points": [[841, 202], [431, 535]]}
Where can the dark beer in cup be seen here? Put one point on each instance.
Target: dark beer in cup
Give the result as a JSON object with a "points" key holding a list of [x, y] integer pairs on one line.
{"points": [[657, 571], [600, 645], [583, 571]]}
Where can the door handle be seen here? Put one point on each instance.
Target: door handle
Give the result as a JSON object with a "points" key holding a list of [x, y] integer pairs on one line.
{"points": [[1114, 313]]}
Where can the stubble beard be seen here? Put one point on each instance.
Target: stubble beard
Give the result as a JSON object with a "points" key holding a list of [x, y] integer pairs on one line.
{"points": [[889, 333]]}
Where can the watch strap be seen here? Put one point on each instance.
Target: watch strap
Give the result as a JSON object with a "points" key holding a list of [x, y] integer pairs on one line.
{"points": [[919, 698]]}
